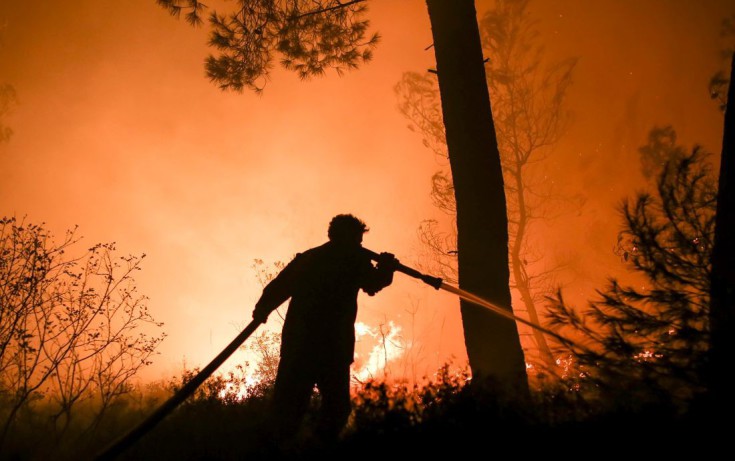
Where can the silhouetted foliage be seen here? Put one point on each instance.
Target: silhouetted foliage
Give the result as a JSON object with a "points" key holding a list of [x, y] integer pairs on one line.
{"points": [[444, 416], [310, 36], [381, 407], [72, 328], [648, 339], [266, 347]]}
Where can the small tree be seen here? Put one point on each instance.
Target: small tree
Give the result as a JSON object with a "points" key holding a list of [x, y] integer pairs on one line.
{"points": [[266, 346], [72, 328], [651, 338]]}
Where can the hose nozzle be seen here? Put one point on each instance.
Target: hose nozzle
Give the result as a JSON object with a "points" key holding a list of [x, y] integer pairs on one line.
{"points": [[435, 282]]}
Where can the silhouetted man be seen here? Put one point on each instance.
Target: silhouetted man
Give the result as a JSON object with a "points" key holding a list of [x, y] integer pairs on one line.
{"points": [[318, 339]]}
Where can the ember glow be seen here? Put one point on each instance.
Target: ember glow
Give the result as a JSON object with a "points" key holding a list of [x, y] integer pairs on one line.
{"points": [[115, 129]]}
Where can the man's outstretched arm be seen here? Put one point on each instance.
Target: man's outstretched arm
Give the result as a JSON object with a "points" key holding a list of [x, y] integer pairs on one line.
{"points": [[276, 292]]}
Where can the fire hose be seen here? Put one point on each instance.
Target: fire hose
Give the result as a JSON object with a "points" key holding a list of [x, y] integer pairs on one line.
{"points": [[126, 441]]}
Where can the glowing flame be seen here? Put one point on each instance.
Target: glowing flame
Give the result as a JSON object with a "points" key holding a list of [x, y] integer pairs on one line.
{"points": [[647, 355], [389, 347], [238, 391], [384, 342]]}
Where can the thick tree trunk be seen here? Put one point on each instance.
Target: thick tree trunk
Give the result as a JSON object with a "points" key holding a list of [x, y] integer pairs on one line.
{"points": [[492, 342], [722, 307]]}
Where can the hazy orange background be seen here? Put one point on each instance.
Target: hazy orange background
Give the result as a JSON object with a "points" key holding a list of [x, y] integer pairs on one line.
{"points": [[119, 131]]}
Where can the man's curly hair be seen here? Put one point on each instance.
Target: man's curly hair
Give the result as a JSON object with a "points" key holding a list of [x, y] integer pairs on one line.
{"points": [[346, 227]]}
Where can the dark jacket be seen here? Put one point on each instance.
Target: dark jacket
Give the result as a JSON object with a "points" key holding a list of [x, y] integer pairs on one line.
{"points": [[322, 283]]}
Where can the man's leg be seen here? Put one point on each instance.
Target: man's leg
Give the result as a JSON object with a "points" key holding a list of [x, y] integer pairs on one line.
{"points": [[334, 387], [291, 395]]}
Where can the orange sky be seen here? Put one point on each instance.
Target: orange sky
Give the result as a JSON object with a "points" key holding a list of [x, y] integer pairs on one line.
{"points": [[119, 131]]}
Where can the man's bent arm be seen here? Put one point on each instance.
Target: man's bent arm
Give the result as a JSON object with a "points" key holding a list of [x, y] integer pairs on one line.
{"points": [[377, 278], [276, 292]]}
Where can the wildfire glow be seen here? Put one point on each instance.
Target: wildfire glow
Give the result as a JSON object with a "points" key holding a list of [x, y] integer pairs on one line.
{"points": [[389, 346], [204, 181], [240, 391]]}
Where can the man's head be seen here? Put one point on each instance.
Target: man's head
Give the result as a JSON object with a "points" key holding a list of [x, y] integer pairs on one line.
{"points": [[346, 229]]}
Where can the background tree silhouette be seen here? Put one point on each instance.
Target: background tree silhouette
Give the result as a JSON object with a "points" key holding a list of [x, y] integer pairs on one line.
{"points": [[312, 36], [649, 338], [528, 101], [72, 328]]}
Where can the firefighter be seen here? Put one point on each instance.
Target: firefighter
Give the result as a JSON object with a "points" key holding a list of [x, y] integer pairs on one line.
{"points": [[318, 337]]}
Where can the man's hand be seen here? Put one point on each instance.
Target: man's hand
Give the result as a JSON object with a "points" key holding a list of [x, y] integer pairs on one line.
{"points": [[260, 316], [387, 261]]}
